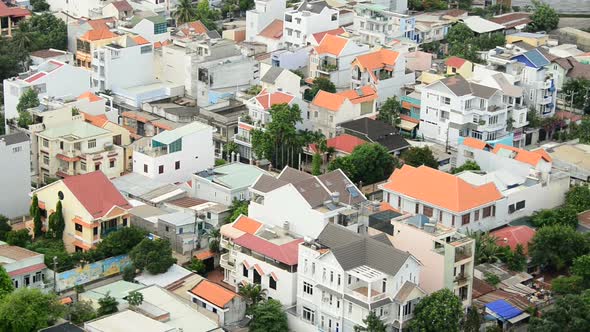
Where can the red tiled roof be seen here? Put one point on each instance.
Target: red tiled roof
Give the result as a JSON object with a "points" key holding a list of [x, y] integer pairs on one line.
{"points": [[98, 34], [6, 11], [274, 30], [530, 157], [379, 59], [90, 96], [140, 40], [247, 225], [267, 100], [96, 120], [343, 143], [328, 100], [96, 193], [512, 20], [475, 143], [320, 35], [100, 23], [514, 235], [331, 44], [286, 253], [360, 95], [213, 293], [27, 270], [122, 6], [203, 255], [34, 77], [195, 27], [455, 62]]}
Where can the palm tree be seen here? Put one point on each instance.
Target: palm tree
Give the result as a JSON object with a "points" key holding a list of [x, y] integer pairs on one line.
{"points": [[185, 12], [486, 249], [213, 235], [253, 294]]}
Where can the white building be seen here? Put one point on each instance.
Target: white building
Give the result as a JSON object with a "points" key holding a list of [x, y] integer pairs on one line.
{"points": [[50, 79], [342, 276], [149, 25], [275, 79], [26, 268], [307, 19], [263, 14], [15, 174], [174, 155], [376, 25]]}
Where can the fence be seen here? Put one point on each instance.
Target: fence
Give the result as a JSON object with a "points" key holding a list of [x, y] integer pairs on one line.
{"points": [[91, 272]]}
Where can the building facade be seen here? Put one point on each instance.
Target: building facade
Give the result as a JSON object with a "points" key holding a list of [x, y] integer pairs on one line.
{"points": [[15, 174]]}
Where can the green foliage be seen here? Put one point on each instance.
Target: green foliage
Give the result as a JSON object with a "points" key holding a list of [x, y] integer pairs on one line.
{"points": [[368, 163], [268, 316], [20, 238], [6, 285], [570, 313], [581, 268], [417, 156], [128, 273], [567, 285], [197, 266], [492, 279], [439, 311], [516, 260], [57, 223], [54, 248], [35, 212], [555, 247], [390, 111], [465, 44], [119, 242], [254, 90], [468, 166], [563, 215], [373, 324], [577, 86], [207, 15], [44, 31], [544, 18], [220, 162], [459, 33], [81, 311], [107, 305], [155, 256], [583, 130], [39, 6], [316, 164], [236, 209], [231, 147], [473, 320], [135, 298], [319, 83], [4, 227], [28, 99], [578, 198], [532, 116], [29, 309], [185, 12], [253, 294], [486, 249], [432, 47]]}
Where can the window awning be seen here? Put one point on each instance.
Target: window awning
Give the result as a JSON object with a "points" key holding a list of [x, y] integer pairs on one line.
{"points": [[407, 125], [518, 318]]}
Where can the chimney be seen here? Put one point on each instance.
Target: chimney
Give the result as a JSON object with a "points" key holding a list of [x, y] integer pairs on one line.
{"points": [[335, 197]]}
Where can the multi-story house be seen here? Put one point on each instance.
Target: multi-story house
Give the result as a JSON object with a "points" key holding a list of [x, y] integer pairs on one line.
{"points": [[275, 79], [454, 108], [26, 268], [52, 79], [181, 229], [329, 110], [376, 25], [332, 59], [174, 155], [9, 18], [90, 42], [264, 13], [385, 70], [262, 254], [314, 201], [87, 218], [15, 174], [151, 26], [431, 27], [309, 18], [223, 117], [447, 256], [343, 276]]}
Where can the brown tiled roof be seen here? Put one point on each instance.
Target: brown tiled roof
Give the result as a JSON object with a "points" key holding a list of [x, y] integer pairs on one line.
{"points": [[16, 253], [46, 54], [512, 20], [187, 202], [122, 6]]}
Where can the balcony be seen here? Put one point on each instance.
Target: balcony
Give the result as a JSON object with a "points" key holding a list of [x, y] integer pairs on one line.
{"points": [[328, 67], [547, 100], [227, 262], [462, 253], [362, 293], [461, 278]]}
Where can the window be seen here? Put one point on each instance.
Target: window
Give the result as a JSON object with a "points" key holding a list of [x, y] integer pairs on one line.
{"points": [[272, 283], [160, 169], [427, 211], [476, 216], [257, 277], [384, 285], [146, 49], [145, 168], [453, 221], [95, 231], [331, 118], [338, 282], [167, 229], [91, 143], [520, 205], [307, 288], [331, 276], [440, 216], [399, 201], [177, 164], [78, 228], [408, 308], [446, 100], [97, 166], [45, 143], [308, 315], [83, 165], [465, 219], [17, 149], [417, 207], [45, 159], [245, 271], [487, 211], [111, 163], [350, 307], [493, 120]]}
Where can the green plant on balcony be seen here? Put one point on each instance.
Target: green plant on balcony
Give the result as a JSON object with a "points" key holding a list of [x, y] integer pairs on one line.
{"points": [[384, 74], [509, 124], [329, 67], [247, 119], [482, 122]]}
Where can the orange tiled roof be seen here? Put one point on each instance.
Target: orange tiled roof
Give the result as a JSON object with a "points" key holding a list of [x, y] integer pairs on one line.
{"points": [[377, 59], [320, 35], [328, 100], [98, 34], [213, 293], [331, 44], [267, 100], [96, 120], [361, 95], [247, 225], [440, 189], [274, 30], [90, 96], [455, 62], [475, 143], [514, 235], [525, 156], [100, 23], [140, 40], [197, 27], [343, 143]]}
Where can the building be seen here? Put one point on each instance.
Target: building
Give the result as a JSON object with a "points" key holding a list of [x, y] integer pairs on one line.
{"points": [[226, 183], [173, 155], [376, 131], [456, 65], [449, 265], [328, 110], [513, 236], [431, 27], [38, 57], [9, 18], [385, 70], [181, 229], [229, 307], [481, 26], [332, 59], [87, 218], [532, 39], [377, 25], [573, 158], [275, 79], [264, 13], [343, 276], [15, 174], [513, 22], [119, 9], [307, 19], [564, 69], [261, 254], [90, 41], [149, 25], [272, 35], [52, 79], [141, 323], [26, 268], [121, 136], [223, 116], [343, 144]]}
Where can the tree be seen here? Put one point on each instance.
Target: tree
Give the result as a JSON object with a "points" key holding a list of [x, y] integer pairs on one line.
{"points": [[577, 86], [135, 298], [129, 273], [532, 116], [237, 208], [319, 83], [473, 320], [578, 198], [28, 99], [206, 15], [567, 285], [268, 316], [555, 247], [486, 249], [6, 284], [316, 164], [253, 293], [57, 223], [569, 313], [581, 268], [417, 156], [153, 255], [564, 215], [368, 163], [79, 289], [459, 34], [468, 166], [390, 111], [373, 324], [45, 31], [516, 260], [197, 266], [213, 235], [107, 305], [39, 6], [35, 212], [119, 242], [185, 12], [29, 309], [80, 312], [4, 227], [439, 311], [544, 18], [20, 238], [583, 130], [492, 279]]}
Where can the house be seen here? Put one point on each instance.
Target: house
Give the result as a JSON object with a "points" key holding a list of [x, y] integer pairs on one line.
{"points": [[119, 9], [121, 138], [343, 144], [141, 323], [149, 25], [431, 27], [212, 214], [343, 276], [378, 25], [513, 236], [141, 189], [26, 268], [376, 131], [223, 116], [307, 19], [119, 289], [314, 201], [9, 18], [52, 79], [87, 219], [332, 59], [532, 39], [15, 174], [226, 183], [90, 41], [450, 200], [513, 22], [573, 158], [229, 307], [275, 79], [272, 35], [173, 155], [181, 229], [481, 26], [317, 37], [456, 65], [385, 70], [79, 27], [40, 56], [419, 61], [564, 69], [263, 14], [328, 110], [447, 256]]}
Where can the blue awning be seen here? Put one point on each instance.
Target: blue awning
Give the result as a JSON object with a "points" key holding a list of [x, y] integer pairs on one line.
{"points": [[503, 309]]}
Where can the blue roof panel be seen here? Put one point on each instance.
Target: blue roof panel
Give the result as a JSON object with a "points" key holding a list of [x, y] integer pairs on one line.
{"points": [[504, 309], [536, 58]]}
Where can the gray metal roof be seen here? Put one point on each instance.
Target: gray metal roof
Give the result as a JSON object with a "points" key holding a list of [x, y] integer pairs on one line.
{"points": [[336, 181], [482, 91], [15, 138], [272, 74], [292, 175], [314, 7], [457, 84], [266, 183]]}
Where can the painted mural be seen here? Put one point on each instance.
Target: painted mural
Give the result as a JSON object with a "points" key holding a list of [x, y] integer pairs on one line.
{"points": [[91, 272]]}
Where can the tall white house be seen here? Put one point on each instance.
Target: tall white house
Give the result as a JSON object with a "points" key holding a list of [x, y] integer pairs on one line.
{"points": [[174, 155], [377, 25], [263, 14], [15, 174], [307, 19]]}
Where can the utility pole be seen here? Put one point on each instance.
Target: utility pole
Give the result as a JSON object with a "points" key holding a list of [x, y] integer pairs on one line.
{"points": [[55, 274]]}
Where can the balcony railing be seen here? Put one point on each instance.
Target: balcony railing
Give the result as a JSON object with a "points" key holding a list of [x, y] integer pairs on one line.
{"points": [[327, 67], [362, 293], [227, 261], [461, 254]]}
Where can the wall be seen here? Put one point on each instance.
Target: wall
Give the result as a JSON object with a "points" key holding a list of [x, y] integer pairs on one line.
{"points": [[15, 177], [91, 272], [130, 68]]}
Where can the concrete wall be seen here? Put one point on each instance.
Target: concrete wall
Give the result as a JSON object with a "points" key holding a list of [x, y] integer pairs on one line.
{"points": [[15, 177], [91, 271]]}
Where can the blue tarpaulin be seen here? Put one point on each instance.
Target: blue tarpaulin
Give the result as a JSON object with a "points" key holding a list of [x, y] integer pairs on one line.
{"points": [[503, 309]]}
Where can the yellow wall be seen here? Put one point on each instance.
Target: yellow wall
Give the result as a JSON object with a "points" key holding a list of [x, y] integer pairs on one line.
{"points": [[535, 42], [466, 70]]}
